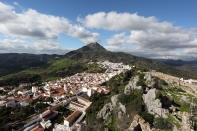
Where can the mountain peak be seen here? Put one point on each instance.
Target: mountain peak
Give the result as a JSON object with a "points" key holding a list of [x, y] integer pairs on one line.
{"points": [[92, 47], [95, 46]]}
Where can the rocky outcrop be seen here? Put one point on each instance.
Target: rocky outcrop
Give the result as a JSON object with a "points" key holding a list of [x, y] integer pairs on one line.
{"points": [[139, 122], [186, 124], [104, 112], [150, 80], [114, 100], [148, 76], [132, 85], [109, 107], [185, 99], [153, 105], [122, 108]]}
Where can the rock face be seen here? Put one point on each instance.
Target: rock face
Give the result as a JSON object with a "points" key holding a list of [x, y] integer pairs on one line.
{"points": [[185, 99], [150, 80], [132, 85], [114, 104], [140, 123], [104, 112], [186, 125], [154, 105], [114, 100], [122, 108], [148, 77]]}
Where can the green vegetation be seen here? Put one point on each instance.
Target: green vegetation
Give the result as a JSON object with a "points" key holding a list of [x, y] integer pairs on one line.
{"points": [[161, 123], [56, 69], [133, 102], [118, 83], [95, 52], [16, 68], [3, 92], [98, 101], [147, 117], [112, 124], [13, 62], [141, 81], [63, 112], [174, 121], [16, 114], [159, 83], [94, 68]]}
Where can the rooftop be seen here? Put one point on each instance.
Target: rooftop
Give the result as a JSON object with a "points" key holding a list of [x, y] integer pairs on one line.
{"points": [[74, 115]]}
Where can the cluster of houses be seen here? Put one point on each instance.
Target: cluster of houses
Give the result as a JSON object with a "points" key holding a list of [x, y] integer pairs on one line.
{"points": [[77, 104], [63, 92], [13, 97]]}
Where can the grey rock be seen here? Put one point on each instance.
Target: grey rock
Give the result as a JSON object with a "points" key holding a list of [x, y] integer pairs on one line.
{"points": [[122, 108], [104, 112], [154, 105], [114, 100], [186, 124], [132, 85], [148, 77], [184, 98], [120, 115], [150, 80], [138, 120]]}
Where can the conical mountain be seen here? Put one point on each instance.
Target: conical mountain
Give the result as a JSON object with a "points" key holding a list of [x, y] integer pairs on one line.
{"points": [[96, 52]]}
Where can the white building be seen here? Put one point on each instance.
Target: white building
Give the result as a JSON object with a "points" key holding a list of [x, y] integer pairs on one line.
{"points": [[34, 89]]}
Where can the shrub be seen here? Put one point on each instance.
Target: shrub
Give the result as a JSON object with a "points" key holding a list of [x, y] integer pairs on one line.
{"points": [[147, 117], [133, 102], [141, 81], [161, 123]]}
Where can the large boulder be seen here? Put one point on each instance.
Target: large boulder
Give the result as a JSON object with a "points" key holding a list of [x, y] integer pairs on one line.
{"points": [[122, 108], [150, 80], [114, 100], [139, 122], [132, 85], [153, 105], [186, 124], [104, 112]]}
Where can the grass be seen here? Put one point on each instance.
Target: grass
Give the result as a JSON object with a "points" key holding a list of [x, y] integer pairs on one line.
{"points": [[54, 70], [174, 121], [133, 102]]}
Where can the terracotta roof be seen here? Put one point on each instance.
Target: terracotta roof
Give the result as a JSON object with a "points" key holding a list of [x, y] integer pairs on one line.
{"points": [[74, 115], [45, 112], [38, 128], [74, 90], [49, 115], [83, 99], [76, 104]]}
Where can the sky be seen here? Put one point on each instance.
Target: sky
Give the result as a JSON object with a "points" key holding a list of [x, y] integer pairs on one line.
{"points": [[158, 29]]}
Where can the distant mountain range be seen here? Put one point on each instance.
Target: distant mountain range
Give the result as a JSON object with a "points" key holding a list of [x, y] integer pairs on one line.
{"points": [[15, 68], [189, 66]]}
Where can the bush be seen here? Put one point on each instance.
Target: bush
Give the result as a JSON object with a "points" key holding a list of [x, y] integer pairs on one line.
{"points": [[133, 102], [161, 123], [147, 117], [141, 81]]}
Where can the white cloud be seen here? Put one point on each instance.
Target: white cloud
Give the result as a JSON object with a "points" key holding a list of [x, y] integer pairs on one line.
{"points": [[32, 24], [149, 37], [122, 21], [37, 47]]}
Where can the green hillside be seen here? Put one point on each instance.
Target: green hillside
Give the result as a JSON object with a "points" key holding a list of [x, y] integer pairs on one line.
{"points": [[13, 62], [33, 68], [53, 70], [95, 52]]}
